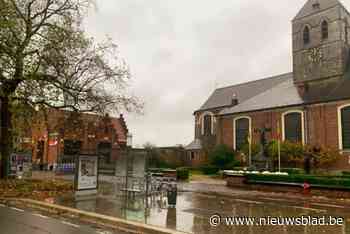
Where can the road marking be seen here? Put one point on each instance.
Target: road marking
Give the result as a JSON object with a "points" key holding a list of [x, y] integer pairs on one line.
{"points": [[41, 216], [71, 224], [16, 209], [328, 205], [104, 232], [310, 209], [274, 199], [248, 201]]}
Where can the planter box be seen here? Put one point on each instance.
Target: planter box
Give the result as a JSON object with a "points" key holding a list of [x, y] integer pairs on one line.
{"points": [[235, 180], [239, 181]]}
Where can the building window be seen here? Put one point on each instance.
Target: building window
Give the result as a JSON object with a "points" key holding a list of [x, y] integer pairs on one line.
{"points": [[324, 30], [242, 130], [72, 147], [306, 35], [293, 126], [192, 155], [344, 127], [207, 124]]}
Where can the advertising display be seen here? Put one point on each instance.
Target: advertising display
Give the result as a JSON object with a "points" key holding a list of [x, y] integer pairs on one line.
{"points": [[87, 173], [21, 165]]}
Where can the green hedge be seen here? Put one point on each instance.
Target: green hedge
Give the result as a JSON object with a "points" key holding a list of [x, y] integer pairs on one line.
{"points": [[315, 180], [183, 173], [209, 170], [293, 171], [346, 173]]}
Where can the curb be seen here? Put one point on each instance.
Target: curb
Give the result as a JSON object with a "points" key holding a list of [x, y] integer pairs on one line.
{"points": [[121, 224]]}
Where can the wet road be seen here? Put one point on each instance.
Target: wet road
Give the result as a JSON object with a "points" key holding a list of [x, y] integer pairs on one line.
{"points": [[17, 221], [193, 211]]}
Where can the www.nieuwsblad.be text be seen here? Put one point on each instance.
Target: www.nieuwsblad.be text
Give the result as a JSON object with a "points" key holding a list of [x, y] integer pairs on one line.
{"points": [[217, 220]]}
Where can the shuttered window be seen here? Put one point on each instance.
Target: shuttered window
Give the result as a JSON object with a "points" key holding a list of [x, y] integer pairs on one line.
{"points": [[345, 121], [207, 125], [293, 127], [242, 132]]}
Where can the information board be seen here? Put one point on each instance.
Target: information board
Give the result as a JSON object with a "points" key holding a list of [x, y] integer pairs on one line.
{"points": [[87, 173]]}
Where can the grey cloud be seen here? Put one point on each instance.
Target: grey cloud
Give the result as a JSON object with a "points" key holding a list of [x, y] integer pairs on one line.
{"points": [[179, 51]]}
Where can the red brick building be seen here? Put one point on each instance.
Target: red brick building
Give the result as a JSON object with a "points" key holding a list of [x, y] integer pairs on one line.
{"points": [[59, 135], [310, 105]]}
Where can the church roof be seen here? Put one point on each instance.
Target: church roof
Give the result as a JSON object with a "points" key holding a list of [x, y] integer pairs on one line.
{"points": [[276, 92], [194, 145], [222, 97], [283, 94], [287, 94], [309, 8]]}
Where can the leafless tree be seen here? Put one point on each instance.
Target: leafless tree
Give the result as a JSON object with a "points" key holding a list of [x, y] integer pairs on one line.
{"points": [[46, 59]]}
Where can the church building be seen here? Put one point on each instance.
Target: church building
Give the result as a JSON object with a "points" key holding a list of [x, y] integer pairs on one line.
{"points": [[310, 105]]}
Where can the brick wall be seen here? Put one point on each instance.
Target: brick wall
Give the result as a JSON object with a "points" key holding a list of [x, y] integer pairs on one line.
{"points": [[90, 129], [259, 120], [173, 156], [321, 127], [226, 131], [195, 158]]}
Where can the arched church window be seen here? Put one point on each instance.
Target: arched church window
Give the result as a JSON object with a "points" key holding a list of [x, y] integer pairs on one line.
{"points": [[242, 131], [306, 35], [207, 125], [293, 126], [344, 126], [324, 28]]}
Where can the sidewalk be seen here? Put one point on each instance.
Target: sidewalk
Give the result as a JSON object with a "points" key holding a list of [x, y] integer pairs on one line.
{"points": [[125, 226]]}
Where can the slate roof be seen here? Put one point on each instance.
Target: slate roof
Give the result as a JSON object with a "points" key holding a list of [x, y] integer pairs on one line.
{"points": [[328, 91], [308, 7], [286, 94], [276, 92], [283, 94], [194, 145], [222, 97]]}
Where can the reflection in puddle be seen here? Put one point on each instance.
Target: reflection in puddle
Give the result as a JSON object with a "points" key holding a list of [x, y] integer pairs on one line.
{"points": [[193, 211]]}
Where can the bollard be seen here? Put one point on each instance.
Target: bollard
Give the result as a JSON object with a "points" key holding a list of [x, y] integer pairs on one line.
{"points": [[172, 194], [306, 188]]}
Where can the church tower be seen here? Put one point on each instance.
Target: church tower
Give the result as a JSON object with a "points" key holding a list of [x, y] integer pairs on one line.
{"points": [[321, 39]]}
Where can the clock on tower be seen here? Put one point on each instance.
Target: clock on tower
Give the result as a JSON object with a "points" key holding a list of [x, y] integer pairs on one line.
{"points": [[315, 55]]}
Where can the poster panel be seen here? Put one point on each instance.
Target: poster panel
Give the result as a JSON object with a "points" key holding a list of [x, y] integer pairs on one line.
{"points": [[87, 173], [21, 165]]}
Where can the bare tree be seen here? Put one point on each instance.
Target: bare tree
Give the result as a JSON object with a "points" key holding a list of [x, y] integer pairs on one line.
{"points": [[47, 59]]}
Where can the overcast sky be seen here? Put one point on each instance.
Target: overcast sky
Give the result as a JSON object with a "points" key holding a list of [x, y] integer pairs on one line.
{"points": [[179, 51]]}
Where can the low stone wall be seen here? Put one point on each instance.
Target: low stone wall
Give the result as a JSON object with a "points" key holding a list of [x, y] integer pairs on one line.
{"points": [[235, 180], [239, 181]]}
